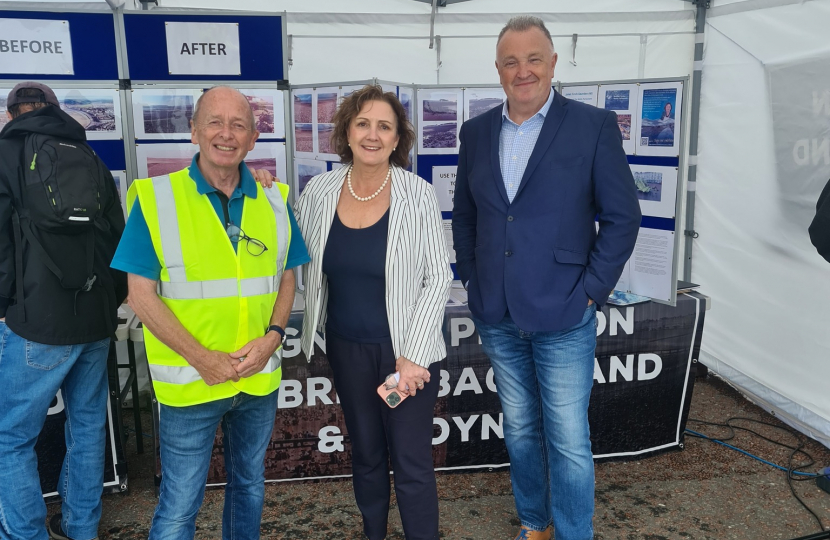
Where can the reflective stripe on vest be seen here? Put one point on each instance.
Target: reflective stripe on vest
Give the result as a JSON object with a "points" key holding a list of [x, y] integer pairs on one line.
{"points": [[178, 288], [220, 288], [169, 228], [188, 374]]}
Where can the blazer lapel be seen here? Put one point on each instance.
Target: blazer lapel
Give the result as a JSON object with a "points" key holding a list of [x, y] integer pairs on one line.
{"points": [[495, 133], [553, 120], [331, 195], [397, 211]]}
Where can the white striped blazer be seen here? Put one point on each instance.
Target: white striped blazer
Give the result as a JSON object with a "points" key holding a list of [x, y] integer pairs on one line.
{"points": [[418, 275]]}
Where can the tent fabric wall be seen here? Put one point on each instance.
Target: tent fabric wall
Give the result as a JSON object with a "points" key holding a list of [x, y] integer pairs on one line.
{"points": [[768, 330]]}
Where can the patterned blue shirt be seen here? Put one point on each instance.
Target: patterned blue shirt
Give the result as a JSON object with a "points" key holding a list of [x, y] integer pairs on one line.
{"points": [[516, 143]]}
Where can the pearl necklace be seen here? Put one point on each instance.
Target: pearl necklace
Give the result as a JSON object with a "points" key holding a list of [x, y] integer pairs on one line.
{"points": [[373, 195]]}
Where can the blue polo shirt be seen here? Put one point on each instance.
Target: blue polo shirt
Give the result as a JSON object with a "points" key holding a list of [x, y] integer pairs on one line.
{"points": [[136, 255]]}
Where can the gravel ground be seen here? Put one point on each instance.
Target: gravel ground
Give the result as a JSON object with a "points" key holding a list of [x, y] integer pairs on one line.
{"points": [[706, 491]]}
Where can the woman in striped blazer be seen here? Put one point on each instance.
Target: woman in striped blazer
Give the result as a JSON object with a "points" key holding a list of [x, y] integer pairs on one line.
{"points": [[376, 286]]}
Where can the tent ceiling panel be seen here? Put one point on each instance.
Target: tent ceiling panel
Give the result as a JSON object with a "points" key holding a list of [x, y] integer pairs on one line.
{"points": [[779, 34], [348, 59], [536, 7]]}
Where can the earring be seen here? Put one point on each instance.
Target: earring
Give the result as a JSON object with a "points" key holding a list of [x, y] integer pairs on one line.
{"points": [[394, 148]]}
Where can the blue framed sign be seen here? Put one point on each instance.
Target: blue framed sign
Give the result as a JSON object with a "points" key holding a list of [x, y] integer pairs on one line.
{"points": [[165, 46], [58, 46]]}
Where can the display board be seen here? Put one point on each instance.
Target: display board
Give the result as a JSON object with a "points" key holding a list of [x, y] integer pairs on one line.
{"points": [[312, 109], [184, 46], [650, 118], [643, 382], [174, 57]]}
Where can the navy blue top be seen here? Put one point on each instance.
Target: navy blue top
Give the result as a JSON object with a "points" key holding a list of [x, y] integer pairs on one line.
{"points": [[354, 263]]}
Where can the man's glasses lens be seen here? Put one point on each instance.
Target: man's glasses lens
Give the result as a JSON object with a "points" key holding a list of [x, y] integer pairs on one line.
{"points": [[255, 247]]}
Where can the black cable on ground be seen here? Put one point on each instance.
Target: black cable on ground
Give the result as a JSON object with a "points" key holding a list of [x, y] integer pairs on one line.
{"points": [[793, 471]]}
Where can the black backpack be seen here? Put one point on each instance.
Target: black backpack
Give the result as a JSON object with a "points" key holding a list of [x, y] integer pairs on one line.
{"points": [[60, 192]]}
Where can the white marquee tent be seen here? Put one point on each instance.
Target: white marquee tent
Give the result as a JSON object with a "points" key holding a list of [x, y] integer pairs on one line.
{"points": [[763, 154]]}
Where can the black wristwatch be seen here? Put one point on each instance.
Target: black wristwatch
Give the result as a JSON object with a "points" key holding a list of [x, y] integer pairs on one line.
{"points": [[278, 329]]}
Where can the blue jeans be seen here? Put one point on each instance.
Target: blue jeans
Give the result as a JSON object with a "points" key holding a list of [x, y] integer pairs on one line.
{"points": [[186, 437], [544, 382], [30, 376]]}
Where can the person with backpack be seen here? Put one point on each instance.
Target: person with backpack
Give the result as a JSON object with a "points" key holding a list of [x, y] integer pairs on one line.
{"points": [[60, 223]]}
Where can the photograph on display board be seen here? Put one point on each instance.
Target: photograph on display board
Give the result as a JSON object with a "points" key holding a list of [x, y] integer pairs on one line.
{"points": [[405, 98], [440, 108], [3, 118], [303, 107], [324, 132], [269, 111], [439, 121], [163, 113], [97, 110], [269, 156], [658, 132], [120, 178], [656, 189], [582, 94], [440, 136], [326, 104], [304, 138], [478, 101], [160, 159], [622, 99], [305, 170]]}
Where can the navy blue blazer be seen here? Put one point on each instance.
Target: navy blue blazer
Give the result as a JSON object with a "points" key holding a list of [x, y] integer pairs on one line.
{"points": [[541, 257]]}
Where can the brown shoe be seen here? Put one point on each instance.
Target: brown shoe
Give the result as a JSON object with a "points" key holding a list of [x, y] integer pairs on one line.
{"points": [[529, 534]]}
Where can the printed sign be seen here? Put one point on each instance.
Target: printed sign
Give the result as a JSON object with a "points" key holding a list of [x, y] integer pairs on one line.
{"points": [[203, 48], [35, 46], [643, 383], [443, 180]]}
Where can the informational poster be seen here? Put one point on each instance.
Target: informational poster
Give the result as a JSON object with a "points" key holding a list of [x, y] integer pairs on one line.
{"points": [[656, 189], [201, 48], [649, 270], [439, 120], [120, 178], [97, 110], [443, 181], [304, 116], [658, 130], [160, 159], [36, 47], [622, 99], [478, 101], [163, 113], [305, 170], [582, 94], [268, 106], [326, 105]]}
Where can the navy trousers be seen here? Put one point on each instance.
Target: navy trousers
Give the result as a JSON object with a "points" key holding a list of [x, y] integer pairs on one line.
{"points": [[378, 434]]}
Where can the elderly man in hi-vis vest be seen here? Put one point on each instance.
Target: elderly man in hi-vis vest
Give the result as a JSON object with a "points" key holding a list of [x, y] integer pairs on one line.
{"points": [[210, 254]]}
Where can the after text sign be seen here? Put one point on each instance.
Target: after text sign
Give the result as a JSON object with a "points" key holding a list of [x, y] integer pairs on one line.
{"points": [[203, 48]]}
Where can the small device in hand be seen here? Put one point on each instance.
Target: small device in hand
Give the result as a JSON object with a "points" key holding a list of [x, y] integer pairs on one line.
{"points": [[388, 391]]}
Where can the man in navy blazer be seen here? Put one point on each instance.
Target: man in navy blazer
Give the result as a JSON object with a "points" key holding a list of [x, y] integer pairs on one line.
{"points": [[532, 177]]}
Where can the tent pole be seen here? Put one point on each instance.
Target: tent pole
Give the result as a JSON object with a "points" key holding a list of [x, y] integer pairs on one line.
{"points": [[691, 184]]}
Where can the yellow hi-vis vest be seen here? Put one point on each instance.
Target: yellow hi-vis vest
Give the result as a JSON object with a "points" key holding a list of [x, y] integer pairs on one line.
{"points": [[223, 298]]}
